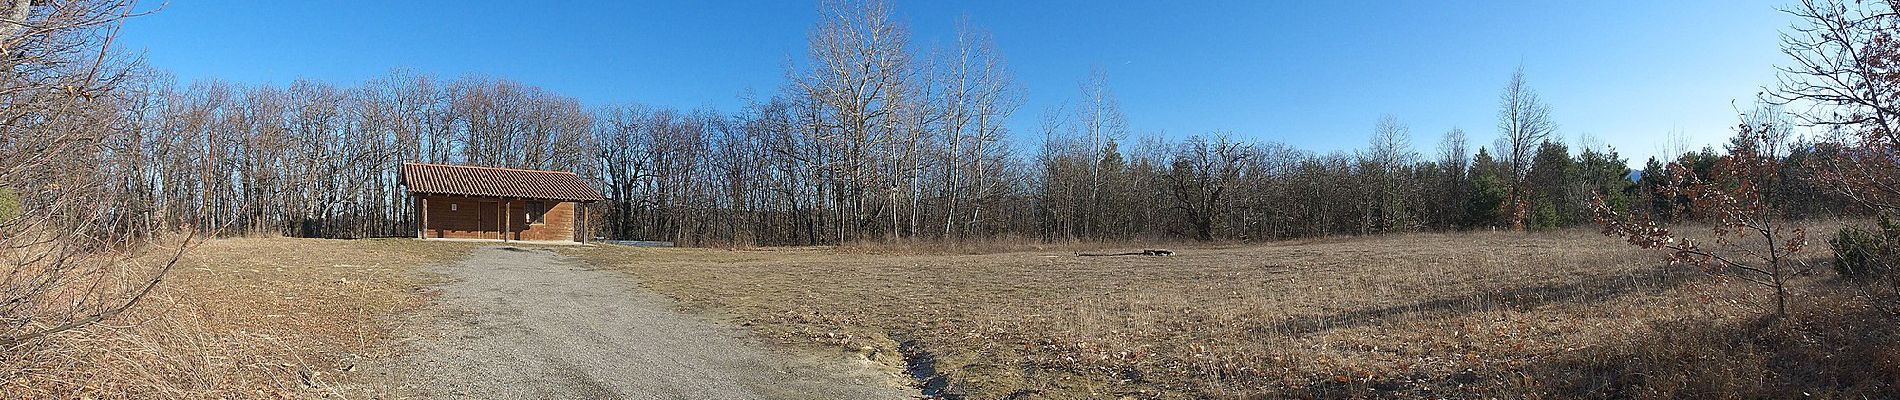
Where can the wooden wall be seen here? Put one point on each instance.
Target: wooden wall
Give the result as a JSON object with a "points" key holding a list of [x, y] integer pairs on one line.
{"points": [[557, 223], [462, 218], [481, 218]]}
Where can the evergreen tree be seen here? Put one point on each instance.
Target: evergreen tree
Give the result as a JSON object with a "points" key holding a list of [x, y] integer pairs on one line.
{"points": [[1110, 218], [1552, 194], [1701, 164], [1603, 172], [1803, 193], [1650, 185], [1488, 192]]}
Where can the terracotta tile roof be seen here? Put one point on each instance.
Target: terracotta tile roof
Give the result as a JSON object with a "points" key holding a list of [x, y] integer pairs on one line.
{"points": [[496, 182]]}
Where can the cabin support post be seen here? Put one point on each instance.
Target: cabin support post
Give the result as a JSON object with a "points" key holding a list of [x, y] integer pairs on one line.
{"points": [[422, 222], [507, 219]]}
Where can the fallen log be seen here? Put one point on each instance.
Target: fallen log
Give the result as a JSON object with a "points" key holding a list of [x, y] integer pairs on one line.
{"points": [[1148, 252]]}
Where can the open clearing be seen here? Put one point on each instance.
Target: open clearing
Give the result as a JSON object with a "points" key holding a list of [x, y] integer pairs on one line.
{"points": [[1559, 314], [1567, 313]]}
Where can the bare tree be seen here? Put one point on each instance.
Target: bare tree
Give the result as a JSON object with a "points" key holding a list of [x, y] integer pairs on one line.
{"points": [[1202, 173], [1097, 123], [1524, 122], [1453, 150], [979, 96], [1391, 157], [860, 66], [67, 262], [1453, 186], [1844, 78]]}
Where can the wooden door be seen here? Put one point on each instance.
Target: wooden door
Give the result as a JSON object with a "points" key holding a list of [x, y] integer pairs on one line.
{"points": [[489, 219]]}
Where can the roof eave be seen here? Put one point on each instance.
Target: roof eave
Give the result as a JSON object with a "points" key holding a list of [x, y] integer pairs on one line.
{"points": [[584, 200]]}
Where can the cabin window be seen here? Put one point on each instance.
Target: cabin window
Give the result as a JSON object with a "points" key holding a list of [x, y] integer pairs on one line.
{"points": [[453, 207], [537, 212]]}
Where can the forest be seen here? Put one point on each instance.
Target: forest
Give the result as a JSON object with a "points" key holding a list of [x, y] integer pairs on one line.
{"points": [[873, 140]]}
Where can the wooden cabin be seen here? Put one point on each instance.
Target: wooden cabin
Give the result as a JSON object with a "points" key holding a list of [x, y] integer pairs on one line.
{"points": [[468, 202]]}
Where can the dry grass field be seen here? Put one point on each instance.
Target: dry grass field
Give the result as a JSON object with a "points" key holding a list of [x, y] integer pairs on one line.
{"points": [[243, 318], [1560, 314]]}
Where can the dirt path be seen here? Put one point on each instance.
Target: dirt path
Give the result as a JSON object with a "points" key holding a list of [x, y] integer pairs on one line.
{"points": [[526, 323]]}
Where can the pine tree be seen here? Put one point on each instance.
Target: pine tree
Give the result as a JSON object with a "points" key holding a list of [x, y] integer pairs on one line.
{"points": [[1603, 172], [1650, 185], [1488, 192], [1110, 217], [1551, 192]]}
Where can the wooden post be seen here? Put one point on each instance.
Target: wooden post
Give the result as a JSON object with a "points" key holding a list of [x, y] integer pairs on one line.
{"points": [[422, 221], [507, 219]]}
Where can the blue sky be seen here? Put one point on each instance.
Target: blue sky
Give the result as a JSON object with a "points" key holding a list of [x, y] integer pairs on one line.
{"points": [[1316, 75]]}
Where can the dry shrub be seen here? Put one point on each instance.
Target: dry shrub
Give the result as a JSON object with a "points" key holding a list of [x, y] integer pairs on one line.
{"points": [[1832, 345], [243, 318], [176, 353], [1749, 239]]}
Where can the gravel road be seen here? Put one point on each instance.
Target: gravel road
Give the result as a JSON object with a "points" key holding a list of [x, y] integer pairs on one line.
{"points": [[528, 324]]}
